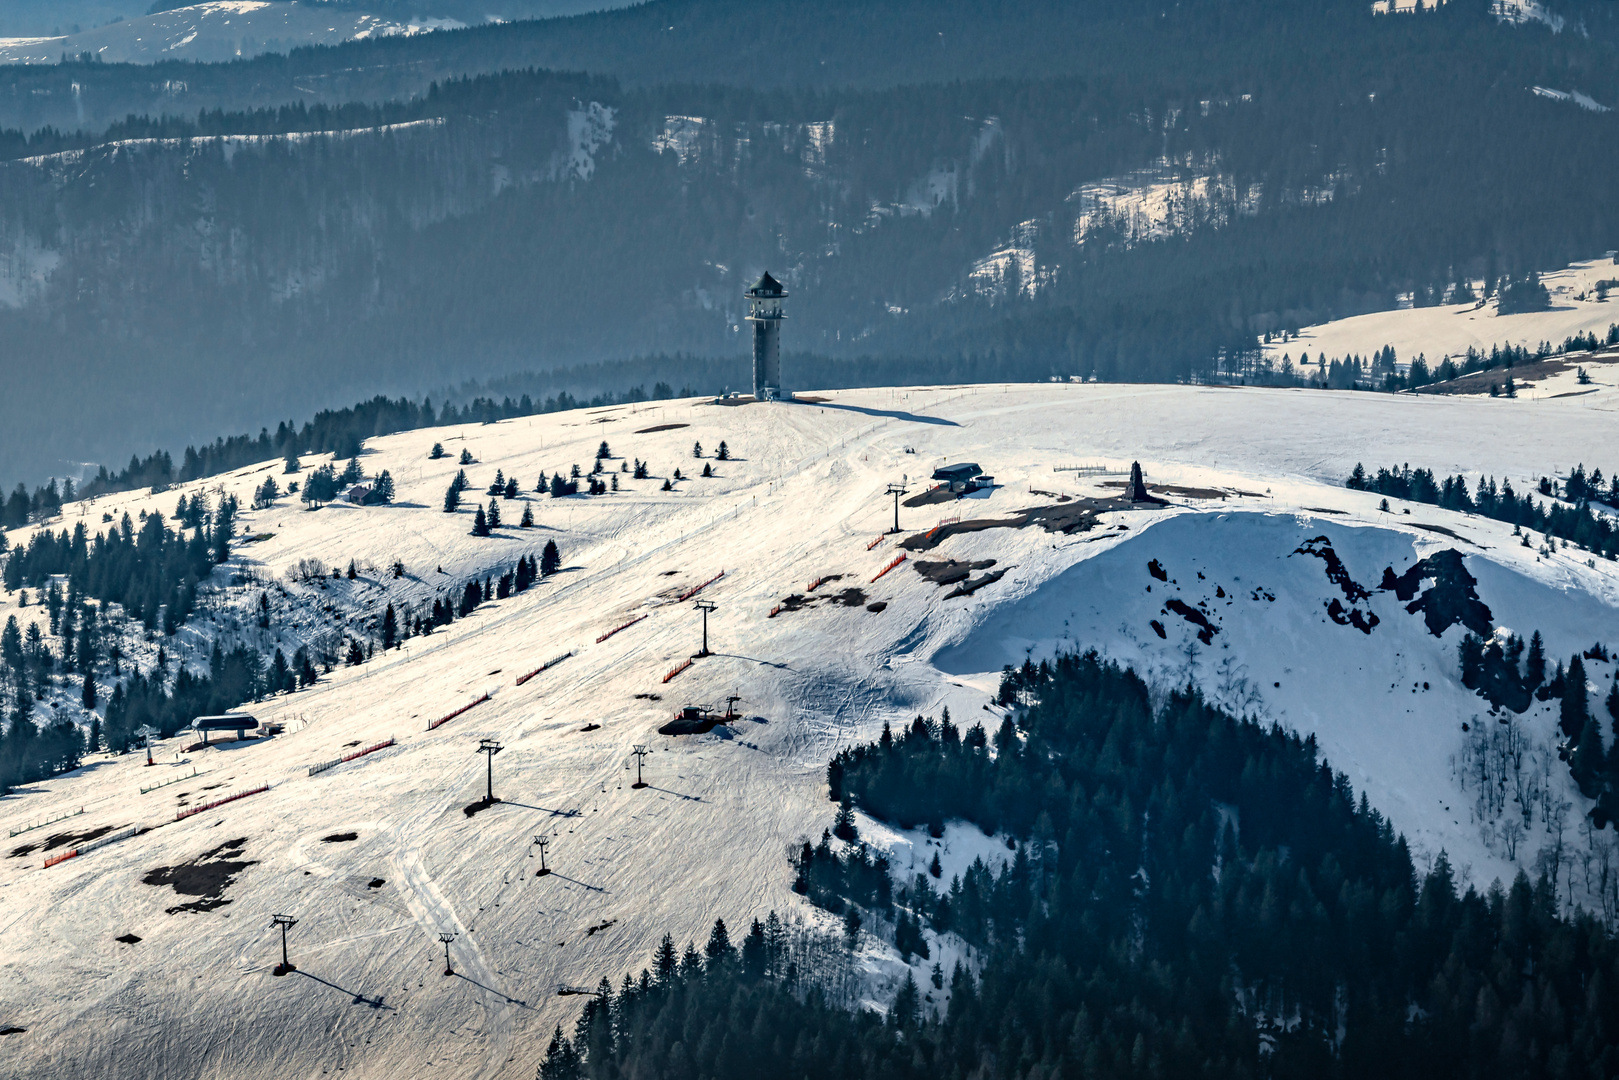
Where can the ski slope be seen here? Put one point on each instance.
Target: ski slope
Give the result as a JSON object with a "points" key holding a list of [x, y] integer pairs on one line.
{"points": [[1451, 329], [707, 837]]}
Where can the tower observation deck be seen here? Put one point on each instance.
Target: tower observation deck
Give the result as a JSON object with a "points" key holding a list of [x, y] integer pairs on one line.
{"points": [[764, 312]]}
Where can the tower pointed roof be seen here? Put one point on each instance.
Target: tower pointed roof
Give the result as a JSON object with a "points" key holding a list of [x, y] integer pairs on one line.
{"points": [[767, 286]]}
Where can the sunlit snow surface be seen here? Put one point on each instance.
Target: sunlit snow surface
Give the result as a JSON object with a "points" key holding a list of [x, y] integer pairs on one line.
{"points": [[803, 499], [1449, 329], [220, 30]]}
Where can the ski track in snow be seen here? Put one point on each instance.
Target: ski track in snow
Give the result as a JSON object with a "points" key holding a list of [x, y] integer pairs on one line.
{"points": [[707, 837]]}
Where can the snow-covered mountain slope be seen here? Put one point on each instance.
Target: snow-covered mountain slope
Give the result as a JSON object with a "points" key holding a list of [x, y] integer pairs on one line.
{"points": [[1258, 478], [1450, 329], [215, 31]]}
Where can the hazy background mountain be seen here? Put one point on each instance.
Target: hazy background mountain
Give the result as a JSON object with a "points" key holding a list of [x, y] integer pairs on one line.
{"points": [[55, 18], [949, 189]]}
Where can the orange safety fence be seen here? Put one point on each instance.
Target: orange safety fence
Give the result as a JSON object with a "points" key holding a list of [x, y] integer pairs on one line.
{"points": [[548, 665], [677, 669], [695, 589], [816, 584], [874, 543], [774, 612], [616, 629], [367, 750], [889, 567], [182, 815], [64, 857], [445, 719]]}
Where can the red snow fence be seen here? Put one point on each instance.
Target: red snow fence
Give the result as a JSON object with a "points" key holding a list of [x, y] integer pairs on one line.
{"points": [[182, 815], [695, 589], [90, 845], [323, 766], [447, 717], [548, 665], [677, 669], [890, 566], [615, 630], [774, 612], [816, 584], [874, 543]]}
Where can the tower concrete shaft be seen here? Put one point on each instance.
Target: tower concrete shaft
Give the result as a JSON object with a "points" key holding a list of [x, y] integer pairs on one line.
{"points": [[764, 312]]}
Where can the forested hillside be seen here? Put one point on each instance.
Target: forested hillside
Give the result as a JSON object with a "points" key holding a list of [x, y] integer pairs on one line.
{"points": [[1133, 203], [1190, 895]]}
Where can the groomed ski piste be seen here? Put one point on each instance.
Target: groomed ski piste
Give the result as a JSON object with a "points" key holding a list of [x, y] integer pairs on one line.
{"points": [[1249, 478]]}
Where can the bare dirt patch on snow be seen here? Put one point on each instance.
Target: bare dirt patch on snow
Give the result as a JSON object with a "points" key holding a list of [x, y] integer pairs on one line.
{"points": [[205, 877]]}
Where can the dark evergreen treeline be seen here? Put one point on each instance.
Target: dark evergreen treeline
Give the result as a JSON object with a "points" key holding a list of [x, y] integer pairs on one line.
{"points": [[1190, 895], [724, 1012], [1569, 518], [152, 571]]}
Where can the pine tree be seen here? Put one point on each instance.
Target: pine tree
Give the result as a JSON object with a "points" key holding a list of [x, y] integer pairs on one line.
{"points": [[1574, 711], [356, 655], [437, 451], [466, 457], [667, 486], [511, 488], [352, 572], [493, 514], [718, 949], [602, 451], [88, 697], [498, 487], [550, 559], [843, 825], [707, 469], [528, 517], [480, 524], [291, 465], [1613, 706], [452, 499], [666, 962], [724, 453], [1586, 762], [561, 1060], [1534, 667], [697, 450], [390, 628], [382, 491]]}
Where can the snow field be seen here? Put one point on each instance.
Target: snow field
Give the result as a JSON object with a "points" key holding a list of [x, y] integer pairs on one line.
{"points": [[1449, 329], [708, 837]]}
